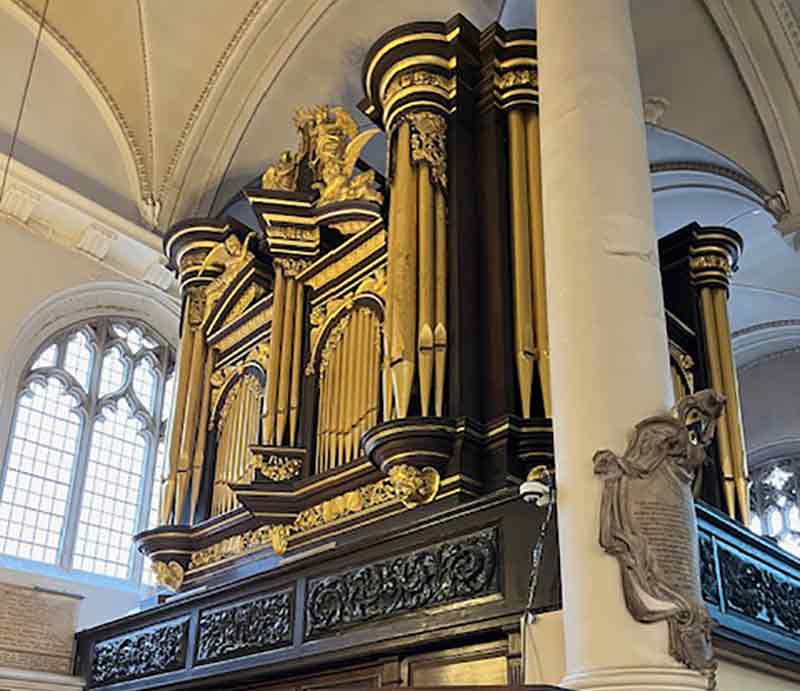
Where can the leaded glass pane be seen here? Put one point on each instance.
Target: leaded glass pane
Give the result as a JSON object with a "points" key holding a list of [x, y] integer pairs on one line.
{"points": [[41, 459], [144, 383], [112, 374], [47, 358], [78, 359], [108, 515]]}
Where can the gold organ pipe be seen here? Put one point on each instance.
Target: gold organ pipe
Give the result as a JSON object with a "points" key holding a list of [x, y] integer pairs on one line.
{"points": [[278, 300], [193, 395], [322, 409], [373, 392], [426, 297], [732, 409], [521, 257], [297, 354], [440, 330], [391, 271], [723, 434], [219, 470], [338, 409], [537, 255], [330, 387], [177, 418], [241, 436], [346, 401], [336, 384], [232, 443], [287, 346], [202, 434], [404, 287], [360, 375]]}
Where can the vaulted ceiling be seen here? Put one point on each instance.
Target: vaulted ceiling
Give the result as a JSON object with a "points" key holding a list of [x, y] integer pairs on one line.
{"points": [[158, 110], [162, 109]]}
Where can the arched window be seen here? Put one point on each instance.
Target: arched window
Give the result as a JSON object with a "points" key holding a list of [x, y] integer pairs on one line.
{"points": [[775, 502], [84, 457]]}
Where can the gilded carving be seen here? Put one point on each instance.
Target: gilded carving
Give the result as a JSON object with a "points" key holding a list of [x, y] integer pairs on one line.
{"points": [[321, 315], [232, 255], [336, 146], [292, 266], [196, 304], [715, 262], [647, 521], [520, 77], [240, 333], [348, 261], [329, 143], [277, 468], [170, 575], [429, 143], [250, 295], [283, 174], [418, 78], [405, 484], [685, 366]]}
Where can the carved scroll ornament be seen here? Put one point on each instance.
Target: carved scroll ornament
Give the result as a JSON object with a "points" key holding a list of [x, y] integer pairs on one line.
{"points": [[647, 521]]}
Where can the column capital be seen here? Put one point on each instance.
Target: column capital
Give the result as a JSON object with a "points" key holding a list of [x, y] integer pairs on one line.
{"points": [[713, 256]]}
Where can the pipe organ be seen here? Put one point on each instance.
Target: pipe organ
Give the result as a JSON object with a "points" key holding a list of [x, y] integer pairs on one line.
{"points": [[364, 382], [366, 360]]}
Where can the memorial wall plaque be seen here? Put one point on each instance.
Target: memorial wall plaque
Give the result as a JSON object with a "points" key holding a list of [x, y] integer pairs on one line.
{"points": [[647, 521]]}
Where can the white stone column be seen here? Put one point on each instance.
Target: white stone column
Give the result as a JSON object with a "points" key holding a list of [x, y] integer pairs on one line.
{"points": [[606, 321]]}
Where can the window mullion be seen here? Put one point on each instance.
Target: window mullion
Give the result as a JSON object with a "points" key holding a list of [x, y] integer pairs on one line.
{"points": [[75, 498]]}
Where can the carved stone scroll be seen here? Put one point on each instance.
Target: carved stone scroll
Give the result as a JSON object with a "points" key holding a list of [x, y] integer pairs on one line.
{"points": [[647, 521]]}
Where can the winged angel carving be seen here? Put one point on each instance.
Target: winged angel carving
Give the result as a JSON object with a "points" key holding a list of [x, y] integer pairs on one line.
{"points": [[232, 256], [647, 522], [330, 144]]}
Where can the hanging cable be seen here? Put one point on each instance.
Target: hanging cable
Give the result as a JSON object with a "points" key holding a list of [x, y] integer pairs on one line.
{"points": [[24, 99]]}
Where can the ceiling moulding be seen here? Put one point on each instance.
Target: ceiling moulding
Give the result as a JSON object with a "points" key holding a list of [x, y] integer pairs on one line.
{"points": [[758, 343], [51, 210], [763, 38]]}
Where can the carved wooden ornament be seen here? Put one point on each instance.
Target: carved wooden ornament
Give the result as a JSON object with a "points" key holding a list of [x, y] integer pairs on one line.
{"points": [[647, 521]]}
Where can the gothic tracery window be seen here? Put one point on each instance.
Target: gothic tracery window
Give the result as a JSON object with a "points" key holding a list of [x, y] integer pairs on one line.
{"points": [[82, 465], [775, 502]]}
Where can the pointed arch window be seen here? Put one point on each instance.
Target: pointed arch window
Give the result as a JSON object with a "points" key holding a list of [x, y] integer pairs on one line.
{"points": [[82, 465]]}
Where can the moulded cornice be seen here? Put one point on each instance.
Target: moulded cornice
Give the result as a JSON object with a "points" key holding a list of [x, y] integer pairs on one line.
{"points": [[758, 343], [61, 215]]}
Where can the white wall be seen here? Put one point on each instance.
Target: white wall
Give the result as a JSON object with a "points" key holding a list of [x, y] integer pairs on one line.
{"points": [[44, 287]]}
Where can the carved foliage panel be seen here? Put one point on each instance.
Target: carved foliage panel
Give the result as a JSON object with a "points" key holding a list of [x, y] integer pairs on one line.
{"points": [[139, 654], [255, 625], [447, 572], [759, 592]]}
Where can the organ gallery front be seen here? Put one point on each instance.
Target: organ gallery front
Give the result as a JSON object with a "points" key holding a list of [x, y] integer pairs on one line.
{"points": [[364, 381]]}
